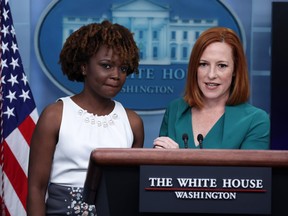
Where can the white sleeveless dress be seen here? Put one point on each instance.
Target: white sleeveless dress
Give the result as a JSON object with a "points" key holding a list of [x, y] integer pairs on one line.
{"points": [[80, 133]]}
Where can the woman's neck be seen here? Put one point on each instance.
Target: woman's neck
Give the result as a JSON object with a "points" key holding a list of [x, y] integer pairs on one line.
{"points": [[97, 106]]}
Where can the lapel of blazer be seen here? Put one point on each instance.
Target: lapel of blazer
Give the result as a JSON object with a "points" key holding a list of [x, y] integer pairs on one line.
{"points": [[231, 121]]}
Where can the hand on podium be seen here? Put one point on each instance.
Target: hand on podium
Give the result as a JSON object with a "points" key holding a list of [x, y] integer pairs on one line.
{"points": [[165, 142]]}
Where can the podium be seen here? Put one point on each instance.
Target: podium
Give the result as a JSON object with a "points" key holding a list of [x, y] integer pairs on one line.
{"points": [[114, 176]]}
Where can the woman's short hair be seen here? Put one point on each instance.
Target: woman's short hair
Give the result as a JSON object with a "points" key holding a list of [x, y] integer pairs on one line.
{"points": [[239, 90], [82, 44]]}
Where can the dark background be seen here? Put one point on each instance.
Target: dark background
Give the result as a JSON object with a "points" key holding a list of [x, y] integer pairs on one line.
{"points": [[279, 76]]}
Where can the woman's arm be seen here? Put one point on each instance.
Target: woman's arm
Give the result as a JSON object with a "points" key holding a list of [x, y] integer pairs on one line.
{"points": [[42, 149], [258, 136], [137, 128]]}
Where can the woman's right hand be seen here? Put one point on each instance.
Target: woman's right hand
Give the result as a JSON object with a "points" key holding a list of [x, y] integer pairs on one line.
{"points": [[165, 142]]}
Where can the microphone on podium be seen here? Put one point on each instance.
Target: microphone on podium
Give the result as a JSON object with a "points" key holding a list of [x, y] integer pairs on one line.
{"points": [[185, 139], [200, 140]]}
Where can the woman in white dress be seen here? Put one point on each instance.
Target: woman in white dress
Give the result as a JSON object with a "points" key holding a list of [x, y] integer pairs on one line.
{"points": [[101, 55]]}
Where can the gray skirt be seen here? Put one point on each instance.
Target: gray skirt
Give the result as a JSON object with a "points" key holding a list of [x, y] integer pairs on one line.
{"points": [[67, 201]]}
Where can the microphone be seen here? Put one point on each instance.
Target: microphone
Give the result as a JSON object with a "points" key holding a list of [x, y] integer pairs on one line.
{"points": [[185, 139], [200, 140]]}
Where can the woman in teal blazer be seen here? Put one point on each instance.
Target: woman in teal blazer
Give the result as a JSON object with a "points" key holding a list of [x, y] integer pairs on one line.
{"points": [[214, 108], [241, 127]]}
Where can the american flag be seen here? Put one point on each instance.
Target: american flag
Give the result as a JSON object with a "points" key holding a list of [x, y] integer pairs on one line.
{"points": [[18, 119]]}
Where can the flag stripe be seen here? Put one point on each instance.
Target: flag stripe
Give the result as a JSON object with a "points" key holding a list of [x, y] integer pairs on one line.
{"points": [[15, 174], [13, 205], [6, 212], [34, 116], [20, 149], [25, 129]]}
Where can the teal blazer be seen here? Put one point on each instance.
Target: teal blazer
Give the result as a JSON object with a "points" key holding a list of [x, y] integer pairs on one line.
{"points": [[241, 127]]}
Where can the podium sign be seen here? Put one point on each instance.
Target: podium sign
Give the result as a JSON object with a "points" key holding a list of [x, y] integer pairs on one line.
{"points": [[205, 189]]}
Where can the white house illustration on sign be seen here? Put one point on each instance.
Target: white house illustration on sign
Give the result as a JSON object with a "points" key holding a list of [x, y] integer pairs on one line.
{"points": [[162, 40]]}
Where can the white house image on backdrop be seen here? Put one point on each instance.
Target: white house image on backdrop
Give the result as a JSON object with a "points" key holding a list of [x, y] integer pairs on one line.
{"points": [[162, 40]]}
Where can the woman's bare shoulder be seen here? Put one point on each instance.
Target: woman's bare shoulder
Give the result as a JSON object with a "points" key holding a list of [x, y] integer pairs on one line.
{"points": [[52, 113]]}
